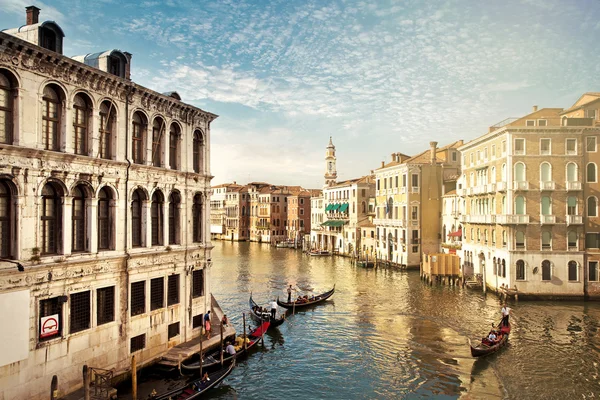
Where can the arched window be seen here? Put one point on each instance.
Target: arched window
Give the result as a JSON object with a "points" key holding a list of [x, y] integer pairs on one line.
{"points": [[520, 270], [51, 118], [389, 208], [546, 206], [520, 205], [592, 206], [198, 150], [104, 219], [546, 240], [197, 219], [138, 138], [573, 271], [174, 140], [174, 228], [107, 129], [156, 213], [503, 268], [78, 220], [546, 270], [503, 204], [51, 220], [81, 112], [520, 172], [137, 239], [571, 172], [363, 207], [158, 129], [493, 175], [571, 205], [520, 240], [572, 240], [495, 264], [503, 172], [545, 172], [7, 88], [591, 172], [7, 220], [493, 237], [504, 238]]}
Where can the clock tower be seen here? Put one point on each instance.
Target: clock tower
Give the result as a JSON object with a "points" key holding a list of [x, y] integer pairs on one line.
{"points": [[330, 168]]}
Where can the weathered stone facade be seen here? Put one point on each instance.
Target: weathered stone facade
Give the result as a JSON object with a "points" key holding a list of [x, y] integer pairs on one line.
{"points": [[115, 244]]}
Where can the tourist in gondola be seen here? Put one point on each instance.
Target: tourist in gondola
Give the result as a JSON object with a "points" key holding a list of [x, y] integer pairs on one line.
{"points": [[230, 349], [273, 309], [505, 313]]}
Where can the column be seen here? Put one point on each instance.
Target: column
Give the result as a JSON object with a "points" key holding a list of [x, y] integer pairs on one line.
{"points": [[146, 224], [67, 209], [92, 226]]}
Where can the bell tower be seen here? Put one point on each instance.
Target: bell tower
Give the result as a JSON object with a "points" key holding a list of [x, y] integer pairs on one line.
{"points": [[330, 167]]}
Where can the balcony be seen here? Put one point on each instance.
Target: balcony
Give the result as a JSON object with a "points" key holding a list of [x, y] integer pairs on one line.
{"points": [[491, 187], [501, 186], [573, 185], [574, 220], [414, 189], [547, 219], [461, 192], [512, 219], [480, 189], [478, 219], [521, 185], [395, 191], [388, 222], [403, 190], [547, 185]]}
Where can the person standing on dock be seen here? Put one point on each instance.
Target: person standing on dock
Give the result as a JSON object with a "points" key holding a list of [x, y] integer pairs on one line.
{"points": [[289, 290], [207, 324], [505, 313], [273, 309]]}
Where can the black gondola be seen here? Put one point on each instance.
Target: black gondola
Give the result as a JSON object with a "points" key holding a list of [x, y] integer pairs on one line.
{"points": [[274, 322], [195, 389], [213, 358], [309, 302]]}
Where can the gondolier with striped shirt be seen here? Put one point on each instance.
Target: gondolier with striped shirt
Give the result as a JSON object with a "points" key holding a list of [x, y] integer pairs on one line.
{"points": [[505, 313], [289, 290]]}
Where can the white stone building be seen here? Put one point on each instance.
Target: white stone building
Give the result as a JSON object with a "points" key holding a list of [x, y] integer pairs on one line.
{"points": [[104, 232]]}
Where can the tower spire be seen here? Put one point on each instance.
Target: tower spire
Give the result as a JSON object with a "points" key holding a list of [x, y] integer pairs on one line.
{"points": [[330, 167]]}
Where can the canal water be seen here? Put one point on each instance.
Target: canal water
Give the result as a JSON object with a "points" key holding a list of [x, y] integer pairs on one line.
{"points": [[385, 334]]}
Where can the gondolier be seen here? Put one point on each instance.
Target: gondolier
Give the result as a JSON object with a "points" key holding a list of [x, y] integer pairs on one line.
{"points": [[273, 309], [505, 314], [289, 290]]}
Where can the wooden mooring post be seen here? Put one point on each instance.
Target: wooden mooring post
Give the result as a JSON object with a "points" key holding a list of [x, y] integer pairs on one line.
{"points": [[133, 378]]}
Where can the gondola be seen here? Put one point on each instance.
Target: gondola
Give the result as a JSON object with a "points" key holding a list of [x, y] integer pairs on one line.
{"points": [[213, 358], [274, 322], [311, 301], [484, 348], [196, 388]]}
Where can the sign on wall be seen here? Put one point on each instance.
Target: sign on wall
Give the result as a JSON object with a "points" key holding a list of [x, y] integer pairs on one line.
{"points": [[48, 326]]}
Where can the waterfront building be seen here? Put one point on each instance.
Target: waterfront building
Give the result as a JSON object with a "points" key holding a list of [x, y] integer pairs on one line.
{"points": [[104, 231], [452, 206], [525, 218], [218, 212], [298, 221], [346, 209], [409, 202], [237, 214], [317, 217]]}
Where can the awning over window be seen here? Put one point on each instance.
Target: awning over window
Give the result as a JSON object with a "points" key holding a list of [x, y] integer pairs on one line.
{"points": [[343, 208], [458, 233], [328, 207], [334, 223], [335, 207]]}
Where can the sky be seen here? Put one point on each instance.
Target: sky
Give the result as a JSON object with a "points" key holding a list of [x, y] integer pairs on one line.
{"points": [[377, 76]]}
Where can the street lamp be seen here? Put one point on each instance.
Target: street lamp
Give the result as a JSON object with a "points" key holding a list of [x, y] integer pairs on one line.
{"points": [[19, 265]]}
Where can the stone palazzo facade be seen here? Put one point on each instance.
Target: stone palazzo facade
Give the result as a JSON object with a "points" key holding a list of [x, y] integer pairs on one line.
{"points": [[104, 232]]}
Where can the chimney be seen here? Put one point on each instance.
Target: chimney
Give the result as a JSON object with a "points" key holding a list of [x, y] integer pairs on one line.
{"points": [[393, 156], [433, 150], [382, 164], [33, 14], [534, 108]]}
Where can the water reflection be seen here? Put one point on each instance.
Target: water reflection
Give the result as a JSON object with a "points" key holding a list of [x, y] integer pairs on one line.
{"points": [[385, 334]]}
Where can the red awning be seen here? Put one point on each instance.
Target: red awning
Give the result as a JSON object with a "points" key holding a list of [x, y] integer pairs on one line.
{"points": [[458, 233]]}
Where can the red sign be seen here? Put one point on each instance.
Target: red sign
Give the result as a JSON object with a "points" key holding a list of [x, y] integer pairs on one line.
{"points": [[451, 251], [49, 326]]}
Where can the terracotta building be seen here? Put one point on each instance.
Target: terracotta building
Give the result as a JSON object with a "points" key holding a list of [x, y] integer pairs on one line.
{"points": [[103, 231]]}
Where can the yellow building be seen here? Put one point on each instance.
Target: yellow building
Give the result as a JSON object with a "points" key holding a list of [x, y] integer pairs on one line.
{"points": [[409, 201]]}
